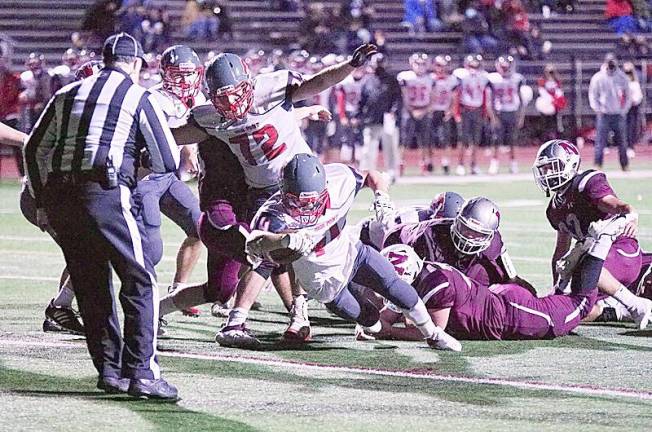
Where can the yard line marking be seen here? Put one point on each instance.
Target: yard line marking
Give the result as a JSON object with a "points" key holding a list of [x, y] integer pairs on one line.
{"points": [[586, 390], [32, 278]]}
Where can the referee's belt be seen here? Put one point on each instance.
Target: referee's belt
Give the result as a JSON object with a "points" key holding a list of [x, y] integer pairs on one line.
{"points": [[78, 177]]}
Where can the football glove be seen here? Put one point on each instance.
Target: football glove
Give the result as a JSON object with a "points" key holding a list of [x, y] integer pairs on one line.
{"points": [[384, 208], [301, 242], [362, 54]]}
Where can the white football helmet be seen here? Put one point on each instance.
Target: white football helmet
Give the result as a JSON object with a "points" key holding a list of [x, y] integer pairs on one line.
{"points": [[557, 162], [405, 260]]}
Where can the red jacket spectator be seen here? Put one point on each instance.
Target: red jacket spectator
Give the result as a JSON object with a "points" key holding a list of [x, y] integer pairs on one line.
{"points": [[9, 91], [618, 8]]}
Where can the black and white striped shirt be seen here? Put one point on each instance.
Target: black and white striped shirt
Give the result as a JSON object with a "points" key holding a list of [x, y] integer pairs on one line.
{"points": [[105, 116]]}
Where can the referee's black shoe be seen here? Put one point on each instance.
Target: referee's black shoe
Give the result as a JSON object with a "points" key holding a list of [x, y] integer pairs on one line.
{"points": [[153, 389], [113, 385]]}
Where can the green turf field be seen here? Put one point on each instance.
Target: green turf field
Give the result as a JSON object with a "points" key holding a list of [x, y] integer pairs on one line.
{"points": [[599, 379]]}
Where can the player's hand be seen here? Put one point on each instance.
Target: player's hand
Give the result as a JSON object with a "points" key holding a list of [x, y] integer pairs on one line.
{"points": [[383, 207], [189, 161], [631, 229], [344, 121], [362, 54], [320, 113], [42, 220], [253, 248], [301, 242]]}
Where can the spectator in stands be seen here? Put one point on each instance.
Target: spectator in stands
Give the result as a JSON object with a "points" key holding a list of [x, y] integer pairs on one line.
{"points": [[200, 20], [550, 102], [635, 121], [518, 30], [221, 11], [421, 15], [35, 82], [155, 30], [477, 35], [9, 93], [641, 11], [100, 20], [357, 10], [131, 20], [610, 99], [380, 99], [317, 28], [619, 14], [286, 5]]}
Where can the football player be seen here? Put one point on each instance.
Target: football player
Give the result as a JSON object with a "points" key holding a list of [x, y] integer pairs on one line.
{"points": [[470, 310], [64, 74], [416, 88], [473, 83], [470, 242], [307, 217], [444, 106], [177, 94], [445, 205], [505, 85], [579, 199], [255, 117], [348, 94]]}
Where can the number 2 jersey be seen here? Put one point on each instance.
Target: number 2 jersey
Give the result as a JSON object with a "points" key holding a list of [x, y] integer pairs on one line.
{"points": [[572, 209], [268, 137], [328, 269]]}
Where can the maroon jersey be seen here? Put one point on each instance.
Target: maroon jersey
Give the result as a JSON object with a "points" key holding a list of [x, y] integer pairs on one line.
{"points": [[222, 177], [475, 314], [432, 241], [573, 209]]}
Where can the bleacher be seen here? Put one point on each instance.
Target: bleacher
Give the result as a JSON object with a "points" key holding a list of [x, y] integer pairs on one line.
{"points": [[46, 25]]}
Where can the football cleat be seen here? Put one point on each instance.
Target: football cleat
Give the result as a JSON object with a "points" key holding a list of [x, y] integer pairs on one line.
{"points": [[493, 167], [299, 329], [361, 334], [460, 170], [220, 310], [161, 331], [513, 167], [643, 313], [191, 312], [62, 319], [153, 389], [237, 337], [443, 341]]}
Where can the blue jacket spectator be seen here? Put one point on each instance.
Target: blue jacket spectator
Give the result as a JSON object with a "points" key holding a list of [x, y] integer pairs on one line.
{"points": [[421, 15]]}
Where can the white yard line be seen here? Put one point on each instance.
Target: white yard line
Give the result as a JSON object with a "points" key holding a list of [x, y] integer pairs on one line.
{"points": [[506, 178], [585, 390]]}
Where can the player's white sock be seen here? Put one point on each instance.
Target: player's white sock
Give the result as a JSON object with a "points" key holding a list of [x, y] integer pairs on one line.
{"points": [[421, 318], [237, 316], [628, 299], [65, 295], [376, 328]]}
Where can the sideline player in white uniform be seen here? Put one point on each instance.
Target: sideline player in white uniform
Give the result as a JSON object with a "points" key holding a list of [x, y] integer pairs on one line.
{"points": [[348, 94], [416, 88], [255, 118], [178, 92], [505, 86], [472, 91], [444, 103], [306, 218]]}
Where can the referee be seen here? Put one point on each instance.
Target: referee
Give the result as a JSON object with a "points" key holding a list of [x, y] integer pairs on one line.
{"points": [[82, 158]]}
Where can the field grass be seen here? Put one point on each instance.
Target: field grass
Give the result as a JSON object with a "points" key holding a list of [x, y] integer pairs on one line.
{"points": [[598, 379]]}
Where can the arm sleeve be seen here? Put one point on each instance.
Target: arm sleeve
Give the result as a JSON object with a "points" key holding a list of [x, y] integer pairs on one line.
{"points": [[37, 148], [436, 292], [158, 137], [596, 188]]}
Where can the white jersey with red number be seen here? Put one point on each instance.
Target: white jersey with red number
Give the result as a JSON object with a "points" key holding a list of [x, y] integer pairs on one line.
{"points": [[506, 91], [417, 88], [442, 92], [472, 86], [177, 112], [328, 269], [268, 137], [352, 89]]}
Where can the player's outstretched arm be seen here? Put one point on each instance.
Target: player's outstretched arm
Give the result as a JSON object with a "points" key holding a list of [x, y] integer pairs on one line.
{"points": [[313, 112], [188, 134], [328, 77], [261, 243], [561, 247], [11, 137], [614, 205]]}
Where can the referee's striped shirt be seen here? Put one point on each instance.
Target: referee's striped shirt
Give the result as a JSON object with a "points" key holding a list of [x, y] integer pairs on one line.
{"points": [[87, 122]]}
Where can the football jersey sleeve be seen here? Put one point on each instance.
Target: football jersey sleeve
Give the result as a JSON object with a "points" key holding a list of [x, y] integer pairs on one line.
{"points": [[595, 186], [359, 179], [270, 222], [435, 290], [276, 87]]}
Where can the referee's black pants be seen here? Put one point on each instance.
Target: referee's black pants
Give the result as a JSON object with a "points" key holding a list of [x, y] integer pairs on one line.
{"points": [[98, 229]]}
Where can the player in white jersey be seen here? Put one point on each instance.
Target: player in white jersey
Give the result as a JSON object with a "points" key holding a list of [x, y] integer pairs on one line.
{"points": [[444, 103], [416, 88], [304, 223], [472, 91], [505, 85], [315, 131], [256, 119], [179, 91], [347, 95]]}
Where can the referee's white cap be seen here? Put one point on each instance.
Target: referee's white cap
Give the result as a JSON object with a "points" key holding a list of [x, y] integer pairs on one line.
{"points": [[122, 44]]}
